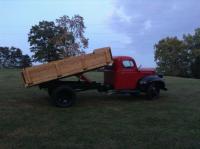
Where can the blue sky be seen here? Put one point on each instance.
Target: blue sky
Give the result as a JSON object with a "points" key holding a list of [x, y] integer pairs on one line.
{"points": [[129, 27]]}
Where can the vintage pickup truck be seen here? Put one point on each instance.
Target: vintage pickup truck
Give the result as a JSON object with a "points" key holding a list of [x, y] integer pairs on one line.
{"points": [[121, 75]]}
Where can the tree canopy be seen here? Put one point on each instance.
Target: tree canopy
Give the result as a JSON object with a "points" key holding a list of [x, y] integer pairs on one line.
{"points": [[51, 41], [13, 58], [193, 47], [179, 57]]}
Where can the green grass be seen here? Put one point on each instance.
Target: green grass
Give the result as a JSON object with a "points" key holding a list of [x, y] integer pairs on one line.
{"points": [[98, 120]]}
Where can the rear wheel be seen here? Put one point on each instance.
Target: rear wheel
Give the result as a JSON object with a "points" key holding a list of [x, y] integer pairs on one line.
{"points": [[153, 91], [63, 96], [50, 91]]}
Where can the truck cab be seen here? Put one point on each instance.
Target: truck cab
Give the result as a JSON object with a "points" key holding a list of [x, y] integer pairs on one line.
{"points": [[124, 74]]}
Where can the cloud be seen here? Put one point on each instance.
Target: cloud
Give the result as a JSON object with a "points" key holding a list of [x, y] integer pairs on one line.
{"points": [[122, 16], [145, 22], [147, 25]]}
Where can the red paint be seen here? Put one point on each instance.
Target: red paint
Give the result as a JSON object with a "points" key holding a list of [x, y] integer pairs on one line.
{"points": [[84, 78], [121, 77]]}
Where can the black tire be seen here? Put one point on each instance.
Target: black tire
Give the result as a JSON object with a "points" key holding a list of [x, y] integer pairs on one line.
{"points": [[153, 91], [50, 91], [63, 96]]}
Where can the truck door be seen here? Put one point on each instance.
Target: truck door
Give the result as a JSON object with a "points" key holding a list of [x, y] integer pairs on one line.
{"points": [[126, 78]]}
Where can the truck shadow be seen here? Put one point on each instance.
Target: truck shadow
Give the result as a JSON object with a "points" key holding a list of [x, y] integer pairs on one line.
{"points": [[89, 98], [94, 98]]}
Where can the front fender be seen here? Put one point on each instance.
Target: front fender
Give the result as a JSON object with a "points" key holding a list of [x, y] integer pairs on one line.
{"points": [[146, 81]]}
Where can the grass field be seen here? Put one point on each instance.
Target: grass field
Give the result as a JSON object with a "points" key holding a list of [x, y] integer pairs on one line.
{"points": [[99, 121]]}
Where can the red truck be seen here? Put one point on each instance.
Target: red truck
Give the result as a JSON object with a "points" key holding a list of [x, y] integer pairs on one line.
{"points": [[120, 76]]}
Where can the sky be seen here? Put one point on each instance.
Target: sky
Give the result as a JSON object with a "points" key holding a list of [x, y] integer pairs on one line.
{"points": [[129, 27]]}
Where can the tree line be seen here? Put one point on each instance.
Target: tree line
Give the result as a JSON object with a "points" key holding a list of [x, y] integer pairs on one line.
{"points": [[179, 57], [13, 58]]}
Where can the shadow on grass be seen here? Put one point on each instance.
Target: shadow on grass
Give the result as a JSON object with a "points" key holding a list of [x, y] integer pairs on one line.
{"points": [[96, 99], [84, 99]]}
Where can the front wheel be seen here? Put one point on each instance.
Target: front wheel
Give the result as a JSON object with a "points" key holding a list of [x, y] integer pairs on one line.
{"points": [[153, 91], [63, 96]]}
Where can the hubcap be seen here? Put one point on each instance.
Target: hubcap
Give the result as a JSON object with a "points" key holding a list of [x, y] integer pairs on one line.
{"points": [[64, 101]]}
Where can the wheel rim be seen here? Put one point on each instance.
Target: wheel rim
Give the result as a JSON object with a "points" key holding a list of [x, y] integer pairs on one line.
{"points": [[64, 99], [153, 91]]}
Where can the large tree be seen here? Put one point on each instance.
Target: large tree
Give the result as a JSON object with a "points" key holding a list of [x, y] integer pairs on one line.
{"points": [[75, 27], [42, 38], [51, 41], [193, 47], [171, 57], [179, 57]]}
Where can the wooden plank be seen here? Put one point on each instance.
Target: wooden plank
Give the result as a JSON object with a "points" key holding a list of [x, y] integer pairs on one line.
{"points": [[69, 66]]}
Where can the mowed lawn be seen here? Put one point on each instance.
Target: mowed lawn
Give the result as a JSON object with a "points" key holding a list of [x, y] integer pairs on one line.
{"points": [[99, 121]]}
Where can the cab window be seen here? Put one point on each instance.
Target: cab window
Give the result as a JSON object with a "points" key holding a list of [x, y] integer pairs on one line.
{"points": [[128, 64]]}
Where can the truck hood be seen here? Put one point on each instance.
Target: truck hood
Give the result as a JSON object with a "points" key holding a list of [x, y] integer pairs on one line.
{"points": [[148, 70]]}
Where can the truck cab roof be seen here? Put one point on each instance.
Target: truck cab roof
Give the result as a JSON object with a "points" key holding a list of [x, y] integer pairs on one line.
{"points": [[122, 57]]}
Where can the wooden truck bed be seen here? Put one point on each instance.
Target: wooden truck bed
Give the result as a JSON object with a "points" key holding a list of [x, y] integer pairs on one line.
{"points": [[66, 67]]}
